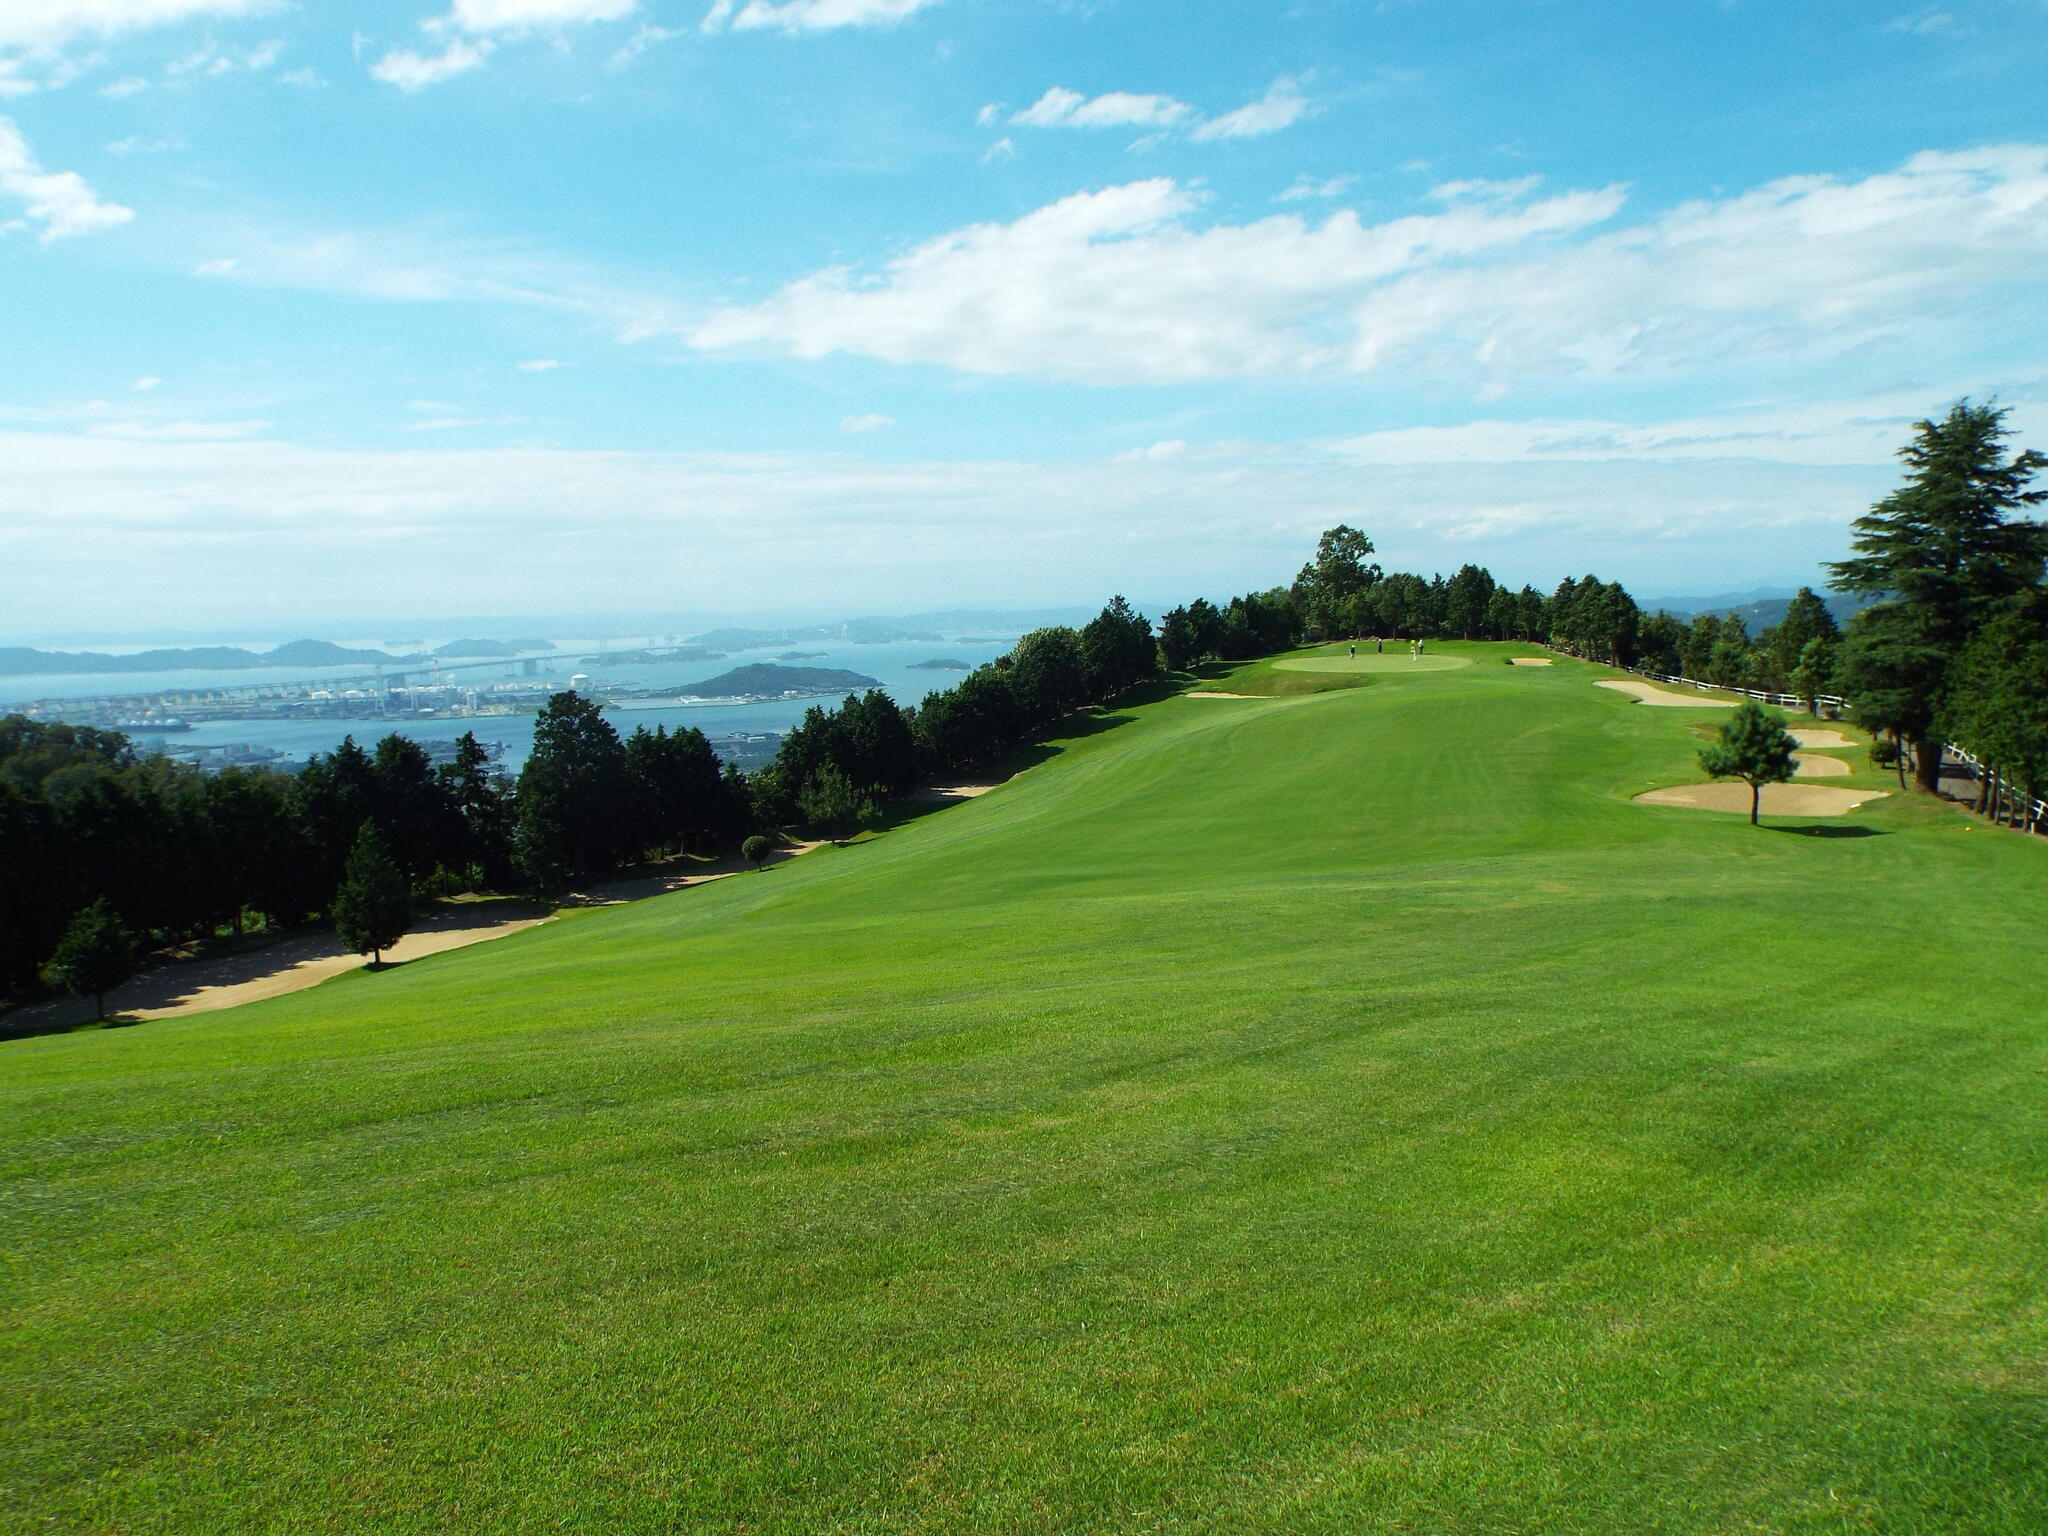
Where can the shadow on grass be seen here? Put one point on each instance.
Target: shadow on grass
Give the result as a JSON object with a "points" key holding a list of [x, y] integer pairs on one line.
{"points": [[1830, 831], [32, 1024]]}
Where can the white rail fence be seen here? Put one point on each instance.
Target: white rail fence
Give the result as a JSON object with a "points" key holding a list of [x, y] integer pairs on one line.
{"points": [[2002, 803]]}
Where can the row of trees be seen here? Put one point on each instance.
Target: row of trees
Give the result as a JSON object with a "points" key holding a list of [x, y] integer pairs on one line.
{"points": [[176, 854], [1343, 593], [1956, 648], [162, 853]]}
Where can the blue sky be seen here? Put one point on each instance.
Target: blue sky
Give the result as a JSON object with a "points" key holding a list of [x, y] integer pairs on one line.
{"points": [[316, 313]]}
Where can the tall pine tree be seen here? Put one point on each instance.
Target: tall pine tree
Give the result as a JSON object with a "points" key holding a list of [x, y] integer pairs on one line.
{"points": [[1943, 551]]}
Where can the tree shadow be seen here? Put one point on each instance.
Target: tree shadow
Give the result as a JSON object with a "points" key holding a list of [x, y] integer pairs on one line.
{"points": [[1830, 831]]}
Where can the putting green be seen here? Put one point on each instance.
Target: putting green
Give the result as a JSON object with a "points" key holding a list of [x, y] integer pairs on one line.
{"points": [[1371, 661]]}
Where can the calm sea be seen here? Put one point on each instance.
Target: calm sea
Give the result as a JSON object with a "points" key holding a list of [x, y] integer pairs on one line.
{"points": [[893, 665]]}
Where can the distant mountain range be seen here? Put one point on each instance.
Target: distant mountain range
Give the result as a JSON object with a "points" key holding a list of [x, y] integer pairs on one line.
{"points": [[1759, 609], [765, 678], [845, 632], [492, 650], [22, 661]]}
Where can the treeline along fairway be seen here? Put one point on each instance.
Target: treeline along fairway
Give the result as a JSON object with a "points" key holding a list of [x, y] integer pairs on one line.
{"points": [[1952, 646]]}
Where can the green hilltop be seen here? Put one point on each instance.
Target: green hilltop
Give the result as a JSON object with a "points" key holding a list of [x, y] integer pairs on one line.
{"points": [[1339, 1109]]}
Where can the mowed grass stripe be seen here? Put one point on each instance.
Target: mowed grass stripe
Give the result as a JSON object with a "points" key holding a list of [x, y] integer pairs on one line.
{"points": [[1341, 1112]]}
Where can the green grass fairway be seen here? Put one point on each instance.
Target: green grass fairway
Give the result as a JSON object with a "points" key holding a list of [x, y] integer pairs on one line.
{"points": [[1370, 661], [1339, 1113]]}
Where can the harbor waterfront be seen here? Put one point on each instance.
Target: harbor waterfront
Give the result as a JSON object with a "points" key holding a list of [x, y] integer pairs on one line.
{"points": [[744, 730]]}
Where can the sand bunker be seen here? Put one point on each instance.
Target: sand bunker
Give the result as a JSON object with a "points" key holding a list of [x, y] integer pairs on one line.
{"points": [[1368, 660], [1528, 661], [955, 789], [1821, 739], [1646, 694], [1779, 799], [1207, 695], [1811, 765]]}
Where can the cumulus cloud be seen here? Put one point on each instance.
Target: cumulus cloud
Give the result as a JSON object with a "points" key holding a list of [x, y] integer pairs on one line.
{"points": [[1127, 284], [58, 203], [1062, 108], [479, 16], [1307, 187], [809, 15], [1281, 107], [1116, 286], [411, 71], [50, 23]]}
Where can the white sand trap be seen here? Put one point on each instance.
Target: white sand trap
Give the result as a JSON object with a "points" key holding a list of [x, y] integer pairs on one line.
{"points": [[1833, 739], [1811, 765], [1779, 799], [1646, 694], [1219, 695], [953, 789], [1528, 661]]}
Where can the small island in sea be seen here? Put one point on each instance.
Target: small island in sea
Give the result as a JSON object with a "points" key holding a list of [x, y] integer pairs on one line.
{"points": [[765, 680], [941, 664]]}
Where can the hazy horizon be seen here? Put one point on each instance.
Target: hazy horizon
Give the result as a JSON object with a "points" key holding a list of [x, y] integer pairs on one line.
{"points": [[854, 306]]}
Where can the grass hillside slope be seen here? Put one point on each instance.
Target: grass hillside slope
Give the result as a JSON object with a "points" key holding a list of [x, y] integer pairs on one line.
{"points": [[1335, 1111]]}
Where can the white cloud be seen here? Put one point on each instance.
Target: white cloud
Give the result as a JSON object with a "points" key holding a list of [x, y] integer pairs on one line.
{"points": [[1167, 448], [1281, 107], [135, 144], [537, 365], [1114, 286], [413, 72], [49, 23], [455, 423], [1002, 149], [1927, 23], [988, 115], [305, 79], [127, 85], [478, 16], [1479, 190], [1125, 285], [648, 36], [398, 266], [809, 15], [1062, 108], [146, 383], [1307, 187], [540, 528], [179, 431], [60, 203], [873, 421], [1864, 431]]}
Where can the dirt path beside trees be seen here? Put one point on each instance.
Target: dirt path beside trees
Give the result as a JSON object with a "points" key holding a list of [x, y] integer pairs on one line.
{"points": [[309, 958]]}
